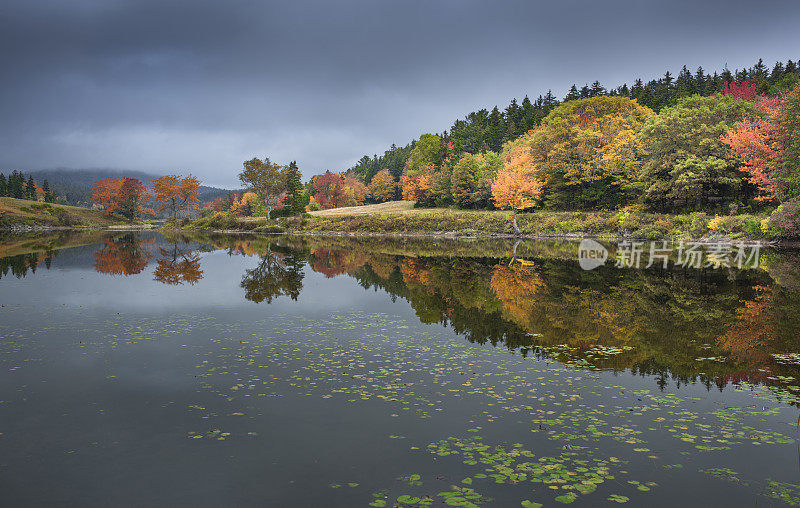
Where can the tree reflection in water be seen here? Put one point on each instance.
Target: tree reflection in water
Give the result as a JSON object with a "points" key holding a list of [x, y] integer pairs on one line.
{"points": [[178, 265], [126, 255], [278, 274]]}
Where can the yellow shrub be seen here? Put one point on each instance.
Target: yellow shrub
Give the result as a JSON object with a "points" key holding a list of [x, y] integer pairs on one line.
{"points": [[716, 223]]}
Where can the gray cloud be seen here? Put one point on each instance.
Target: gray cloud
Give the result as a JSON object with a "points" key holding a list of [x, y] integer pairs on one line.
{"points": [[200, 86]]}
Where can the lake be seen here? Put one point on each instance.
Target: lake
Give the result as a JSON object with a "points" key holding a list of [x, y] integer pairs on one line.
{"points": [[141, 369]]}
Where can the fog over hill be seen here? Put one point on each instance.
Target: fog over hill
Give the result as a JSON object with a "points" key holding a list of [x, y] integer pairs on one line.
{"points": [[73, 185]]}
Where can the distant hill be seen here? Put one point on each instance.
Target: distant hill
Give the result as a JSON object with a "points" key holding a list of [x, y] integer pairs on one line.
{"points": [[72, 186]]}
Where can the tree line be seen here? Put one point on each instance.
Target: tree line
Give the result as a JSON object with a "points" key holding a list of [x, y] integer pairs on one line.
{"points": [[726, 149], [488, 129], [17, 186]]}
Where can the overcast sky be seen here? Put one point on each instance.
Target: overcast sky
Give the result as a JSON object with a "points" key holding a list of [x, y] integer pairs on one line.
{"points": [[200, 86]]}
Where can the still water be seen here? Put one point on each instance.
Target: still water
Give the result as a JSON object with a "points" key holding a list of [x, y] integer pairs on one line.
{"points": [[150, 370]]}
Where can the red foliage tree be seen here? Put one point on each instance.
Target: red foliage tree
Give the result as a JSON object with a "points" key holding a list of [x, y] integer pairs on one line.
{"points": [[745, 90], [757, 142]]}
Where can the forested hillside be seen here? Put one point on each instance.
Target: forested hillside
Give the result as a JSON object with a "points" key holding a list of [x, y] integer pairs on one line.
{"points": [[488, 129]]}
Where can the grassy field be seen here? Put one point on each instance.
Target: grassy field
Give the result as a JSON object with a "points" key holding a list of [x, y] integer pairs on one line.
{"points": [[21, 212], [401, 218], [388, 207]]}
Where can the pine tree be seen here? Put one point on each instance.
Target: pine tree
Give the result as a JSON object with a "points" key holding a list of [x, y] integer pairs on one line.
{"points": [[597, 90], [3, 185], [572, 94], [16, 185], [30, 189], [48, 196], [294, 188]]}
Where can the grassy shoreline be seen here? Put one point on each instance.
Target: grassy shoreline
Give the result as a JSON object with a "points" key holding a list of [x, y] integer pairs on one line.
{"points": [[409, 222], [22, 214]]}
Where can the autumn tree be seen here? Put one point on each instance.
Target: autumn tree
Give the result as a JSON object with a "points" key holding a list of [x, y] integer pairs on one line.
{"points": [[329, 190], [745, 90], [355, 190], [417, 187], [590, 150], [174, 193], [125, 196], [382, 187], [756, 141], [516, 189], [688, 165], [266, 179]]}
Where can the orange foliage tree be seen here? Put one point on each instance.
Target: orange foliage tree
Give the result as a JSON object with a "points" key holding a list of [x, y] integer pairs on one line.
{"points": [[417, 187], [125, 196], [174, 193], [757, 143], [516, 188]]}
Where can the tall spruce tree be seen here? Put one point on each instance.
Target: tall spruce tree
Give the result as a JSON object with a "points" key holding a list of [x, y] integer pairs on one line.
{"points": [[48, 196], [3, 185], [294, 188], [30, 189]]}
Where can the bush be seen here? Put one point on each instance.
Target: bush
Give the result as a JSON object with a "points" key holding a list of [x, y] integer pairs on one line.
{"points": [[651, 232], [752, 228], [68, 219], [785, 220], [697, 227]]}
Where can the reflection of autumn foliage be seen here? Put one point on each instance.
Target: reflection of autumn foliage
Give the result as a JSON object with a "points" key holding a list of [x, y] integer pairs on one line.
{"points": [[276, 275], [122, 256], [383, 266], [415, 272], [517, 288], [336, 262], [178, 266], [754, 328]]}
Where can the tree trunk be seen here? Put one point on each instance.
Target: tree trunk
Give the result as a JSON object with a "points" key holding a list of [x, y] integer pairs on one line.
{"points": [[516, 228]]}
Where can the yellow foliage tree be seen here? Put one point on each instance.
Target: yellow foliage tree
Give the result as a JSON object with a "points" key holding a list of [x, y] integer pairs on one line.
{"points": [[382, 187]]}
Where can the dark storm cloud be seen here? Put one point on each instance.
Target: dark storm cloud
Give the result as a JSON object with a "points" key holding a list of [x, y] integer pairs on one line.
{"points": [[202, 85]]}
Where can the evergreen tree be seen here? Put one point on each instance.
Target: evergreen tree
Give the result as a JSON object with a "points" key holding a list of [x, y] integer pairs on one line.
{"points": [[597, 89], [16, 185], [3, 185], [572, 94], [48, 196], [294, 188], [30, 189]]}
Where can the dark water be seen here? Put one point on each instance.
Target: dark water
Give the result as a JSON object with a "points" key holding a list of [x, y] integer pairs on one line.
{"points": [[143, 370]]}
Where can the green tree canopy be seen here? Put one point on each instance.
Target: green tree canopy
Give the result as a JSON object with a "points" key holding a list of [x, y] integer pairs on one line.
{"points": [[687, 165]]}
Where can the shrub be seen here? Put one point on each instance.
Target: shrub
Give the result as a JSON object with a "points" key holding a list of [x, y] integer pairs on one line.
{"points": [[697, 227], [68, 219], [651, 232], [752, 228], [716, 224], [785, 220]]}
